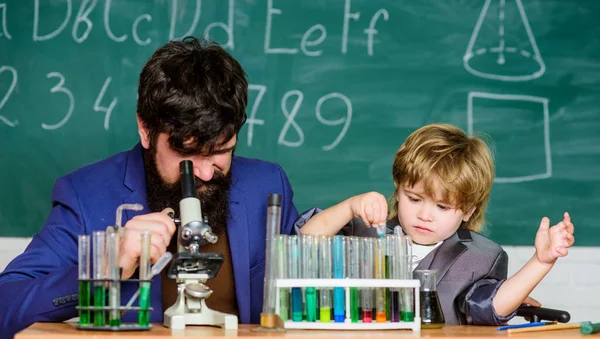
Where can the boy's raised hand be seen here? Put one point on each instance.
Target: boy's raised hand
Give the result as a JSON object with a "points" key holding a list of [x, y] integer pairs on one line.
{"points": [[552, 242], [371, 207]]}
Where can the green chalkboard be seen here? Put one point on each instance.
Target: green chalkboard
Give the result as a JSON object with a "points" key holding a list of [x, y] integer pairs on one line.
{"points": [[336, 86]]}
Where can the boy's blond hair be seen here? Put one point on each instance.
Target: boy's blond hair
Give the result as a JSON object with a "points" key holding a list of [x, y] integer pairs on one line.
{"points": [[462, 165]]}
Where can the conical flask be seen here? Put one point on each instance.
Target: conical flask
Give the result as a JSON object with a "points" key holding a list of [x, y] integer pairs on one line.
{"points": [[432, 315], [502, 46]]}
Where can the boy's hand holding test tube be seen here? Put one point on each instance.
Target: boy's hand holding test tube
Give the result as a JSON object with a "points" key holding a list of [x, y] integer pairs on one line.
{"points": [[371, 207]]}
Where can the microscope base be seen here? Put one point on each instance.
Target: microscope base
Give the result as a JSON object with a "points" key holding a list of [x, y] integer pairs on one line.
{"points": [[212, 318], [193, 311]]}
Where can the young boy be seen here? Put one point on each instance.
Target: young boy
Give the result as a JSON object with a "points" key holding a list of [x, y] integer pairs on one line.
{"points": [[443, 180]]}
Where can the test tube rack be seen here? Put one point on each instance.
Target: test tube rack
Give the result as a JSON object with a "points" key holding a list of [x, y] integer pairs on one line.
{"points": [[346, 283], [121, 309]]}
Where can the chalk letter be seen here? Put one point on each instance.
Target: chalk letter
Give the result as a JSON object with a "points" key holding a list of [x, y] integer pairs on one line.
{"points": [[82, 16], [228, 28], [107, 24], [371, 30], [262, 89], [136, 38], [174, 19], [319, 40], [4, 30], [36, 19], [347, 17], [268, 50]]}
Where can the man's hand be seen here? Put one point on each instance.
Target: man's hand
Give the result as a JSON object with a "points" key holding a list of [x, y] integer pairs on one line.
{"points": [[551, 243], [161, 228], [371, 207]]}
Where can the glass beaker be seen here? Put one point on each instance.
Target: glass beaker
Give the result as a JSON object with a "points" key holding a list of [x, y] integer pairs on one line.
{"points": [[432, 315]]}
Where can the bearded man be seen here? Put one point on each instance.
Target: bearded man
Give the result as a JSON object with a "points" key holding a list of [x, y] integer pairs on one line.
{"points": [[192, 99]]}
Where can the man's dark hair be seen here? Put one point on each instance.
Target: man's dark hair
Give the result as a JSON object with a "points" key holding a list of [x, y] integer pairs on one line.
{"points": [[195, 92]]}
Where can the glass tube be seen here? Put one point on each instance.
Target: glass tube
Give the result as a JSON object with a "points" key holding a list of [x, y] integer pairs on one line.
{"points": [[325, 272], [367, 273], [273, 226], [84, 278], [114, 276], [380, 292], [295, 273], [339, 302], [282, 273], [408, 301], [145, 274], [310, 271], [99, 239], [353, 258]]}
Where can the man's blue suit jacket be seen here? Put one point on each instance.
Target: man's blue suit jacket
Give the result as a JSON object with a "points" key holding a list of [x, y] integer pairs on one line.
{"points": [[41, 284]]}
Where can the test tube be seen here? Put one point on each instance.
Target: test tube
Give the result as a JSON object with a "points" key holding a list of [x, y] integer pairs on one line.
{"points": [[325, 272], [339, 303], [310, 271], [353, 254], [388, 275], [273, 226], [114, 275], [380, 305], [294, 273], [367, 273], [99, 240], [394, 255], [408, 301], [84, 279], [282, 273], [145, 276]]}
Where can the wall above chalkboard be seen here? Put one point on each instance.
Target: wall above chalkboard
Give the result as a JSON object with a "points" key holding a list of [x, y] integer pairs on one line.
{"points": [[335, 88]]}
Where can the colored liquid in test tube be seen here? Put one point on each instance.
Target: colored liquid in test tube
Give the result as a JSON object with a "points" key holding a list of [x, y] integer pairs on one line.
{"points": [[380, 292], [325, 272], [114, 290], [310, 271], [353, 259], [407, 312], [99, 240], [394, 255], [295, 273], [84, 278], [145, 274], [368, 251], [339, 303], [282, 273]]}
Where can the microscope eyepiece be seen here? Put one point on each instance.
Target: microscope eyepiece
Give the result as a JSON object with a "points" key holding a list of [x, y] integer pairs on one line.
{"points": [[188, 186]]}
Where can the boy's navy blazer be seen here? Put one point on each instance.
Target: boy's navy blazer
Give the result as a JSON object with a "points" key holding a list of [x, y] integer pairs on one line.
{"points": [[41, 284]]}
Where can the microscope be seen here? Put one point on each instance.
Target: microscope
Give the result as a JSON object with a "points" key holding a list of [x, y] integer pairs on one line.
{"points": [[190, 268]]}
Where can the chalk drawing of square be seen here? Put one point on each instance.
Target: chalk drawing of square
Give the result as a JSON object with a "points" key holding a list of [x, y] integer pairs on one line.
{"points": [[519, 128]]}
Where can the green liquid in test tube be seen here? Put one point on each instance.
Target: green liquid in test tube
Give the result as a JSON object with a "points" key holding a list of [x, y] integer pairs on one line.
{"points": [[84, 279], [99, 239], [114, 290], [325, 272], [282, 273], [353, 259], [407, 312], [145, 274], [309, 251]]}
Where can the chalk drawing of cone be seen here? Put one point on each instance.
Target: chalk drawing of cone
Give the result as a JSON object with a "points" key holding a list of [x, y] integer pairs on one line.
{"points": [[502, 46]]}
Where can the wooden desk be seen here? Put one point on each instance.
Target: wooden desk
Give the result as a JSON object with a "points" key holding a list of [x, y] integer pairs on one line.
{"points": [[68, 331]]}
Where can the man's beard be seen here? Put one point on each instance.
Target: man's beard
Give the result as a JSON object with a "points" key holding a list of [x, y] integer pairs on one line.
{"points": [[213, 196]]}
